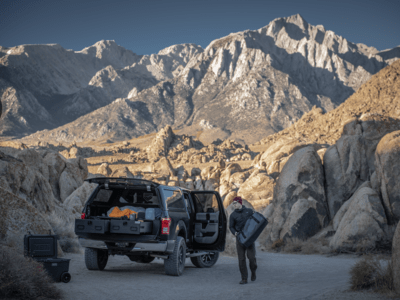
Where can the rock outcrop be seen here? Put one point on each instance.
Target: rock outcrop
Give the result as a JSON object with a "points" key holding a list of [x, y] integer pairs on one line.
{"points": [[163, 167], [396, 259], [350, 162], [122, 172], [360, 222], [18, 217], [387, 164], [299, 206], [258, 189], [104, 169], [26, 185], [159, 146], [274, 158], [79, 197]]}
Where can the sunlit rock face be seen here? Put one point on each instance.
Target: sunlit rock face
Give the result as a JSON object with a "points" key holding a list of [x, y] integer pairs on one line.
{"points": [[245, 85], [44, 86]]}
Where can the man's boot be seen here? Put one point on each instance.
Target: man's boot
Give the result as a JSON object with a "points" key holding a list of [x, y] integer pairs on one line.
{"points": [[253, 276], [244, 281]]}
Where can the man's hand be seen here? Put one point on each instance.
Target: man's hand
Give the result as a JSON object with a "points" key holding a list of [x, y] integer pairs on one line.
{"points": [[236, 233]]}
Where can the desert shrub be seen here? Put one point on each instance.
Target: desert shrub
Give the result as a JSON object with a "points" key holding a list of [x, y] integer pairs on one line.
{"points": [[293, 245], [296, 245], [311, 246], [372, 273], [24, 278], [277, 245], [68, 241]]}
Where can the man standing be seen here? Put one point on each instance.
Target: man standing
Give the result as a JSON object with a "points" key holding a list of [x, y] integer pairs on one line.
{"points": [[236, 223]]}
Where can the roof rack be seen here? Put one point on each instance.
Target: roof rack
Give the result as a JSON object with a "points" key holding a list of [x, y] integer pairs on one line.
{"points": [[130, 181]]}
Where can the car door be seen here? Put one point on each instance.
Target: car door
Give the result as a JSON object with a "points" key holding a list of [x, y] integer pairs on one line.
{"points": [[192, 215], [175, 204], [210, 221]]}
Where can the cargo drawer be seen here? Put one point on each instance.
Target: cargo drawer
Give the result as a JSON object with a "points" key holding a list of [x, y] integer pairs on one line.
{"points": [[130, 227], [92, 226]]}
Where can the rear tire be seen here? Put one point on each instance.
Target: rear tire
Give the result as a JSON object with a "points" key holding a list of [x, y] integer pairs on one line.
{"points": [[175, 264], [96, 259], [206, 260]]}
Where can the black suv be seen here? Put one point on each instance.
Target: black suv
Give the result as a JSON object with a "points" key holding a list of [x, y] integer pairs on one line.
{"points": [[167, 222]]}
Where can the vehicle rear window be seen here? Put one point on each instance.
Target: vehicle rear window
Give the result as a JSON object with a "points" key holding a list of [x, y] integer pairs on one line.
{"points": [[174, 199], [103, 195], [126, 196]]}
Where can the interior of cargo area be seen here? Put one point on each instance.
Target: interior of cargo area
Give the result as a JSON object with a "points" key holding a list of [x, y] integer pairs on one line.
{"points": [[131, 203]]}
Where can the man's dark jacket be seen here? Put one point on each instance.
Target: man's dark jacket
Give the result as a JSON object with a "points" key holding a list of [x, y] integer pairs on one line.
{"points": [[238, 218]]}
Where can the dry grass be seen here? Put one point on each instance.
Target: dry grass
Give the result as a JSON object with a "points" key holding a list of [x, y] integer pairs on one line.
{"points": [[296, 245], [293, 245], [277, 245], [64, 228], [374, 273], [23, 278]]}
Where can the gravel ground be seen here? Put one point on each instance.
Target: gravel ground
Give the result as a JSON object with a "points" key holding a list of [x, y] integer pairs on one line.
{"points": [[279, 276]]}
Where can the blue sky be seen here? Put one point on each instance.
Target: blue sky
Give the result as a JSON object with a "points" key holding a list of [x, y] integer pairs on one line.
{"points": [[147, 26]]}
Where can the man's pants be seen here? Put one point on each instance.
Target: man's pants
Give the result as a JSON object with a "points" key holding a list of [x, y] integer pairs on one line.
{"points": [[251, 255]]}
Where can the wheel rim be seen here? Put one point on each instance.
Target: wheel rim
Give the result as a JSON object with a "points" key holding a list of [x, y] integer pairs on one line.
{"points": [[208, 258], [66, 278], [181, 256]]}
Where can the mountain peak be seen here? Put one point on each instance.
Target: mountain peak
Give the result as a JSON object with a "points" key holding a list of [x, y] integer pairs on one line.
{"points": [[179, 48], [101, 45], [296, 19]]}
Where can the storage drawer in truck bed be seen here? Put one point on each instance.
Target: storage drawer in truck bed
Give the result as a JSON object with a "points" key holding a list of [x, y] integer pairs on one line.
{"points": [[130, 227], [92, 226], [113, 226]]}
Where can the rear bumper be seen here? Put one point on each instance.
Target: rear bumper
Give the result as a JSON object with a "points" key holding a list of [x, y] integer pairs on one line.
{"points": [[165, 247]]}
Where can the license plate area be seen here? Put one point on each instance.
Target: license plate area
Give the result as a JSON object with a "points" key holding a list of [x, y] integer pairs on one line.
{"points": [[125, 226], [130, 227]]}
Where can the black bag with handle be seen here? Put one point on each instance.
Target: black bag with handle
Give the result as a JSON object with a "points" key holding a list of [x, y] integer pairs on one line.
{"points": [[252, 229]]}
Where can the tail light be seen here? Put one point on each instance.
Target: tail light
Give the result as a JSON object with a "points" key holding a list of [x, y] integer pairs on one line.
{"points": [[83, 216], [165, 225]]}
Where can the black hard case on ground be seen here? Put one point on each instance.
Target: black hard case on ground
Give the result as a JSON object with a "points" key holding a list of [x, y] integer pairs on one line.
{"points": [[43, 249], [252, 229]]}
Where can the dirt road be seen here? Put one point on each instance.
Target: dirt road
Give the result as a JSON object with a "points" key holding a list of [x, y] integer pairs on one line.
{"points": [[279, 276]]}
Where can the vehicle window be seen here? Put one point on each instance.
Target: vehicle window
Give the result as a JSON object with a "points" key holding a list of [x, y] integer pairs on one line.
{"points": [[103, 195], [174, 199], [137, 197], [127, 196], [206, 202]]}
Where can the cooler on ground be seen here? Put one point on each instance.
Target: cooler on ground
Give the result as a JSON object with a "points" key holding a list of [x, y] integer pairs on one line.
{"points": [[43, 248]]}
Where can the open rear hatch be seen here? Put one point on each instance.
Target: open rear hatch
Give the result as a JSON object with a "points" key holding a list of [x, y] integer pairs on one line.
{"points": [[121, 206]]}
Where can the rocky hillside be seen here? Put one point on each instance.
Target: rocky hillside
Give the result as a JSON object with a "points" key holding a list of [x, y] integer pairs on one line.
{"points": [[34, 187], [46, 86], [378, 96], [244, 86]]}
